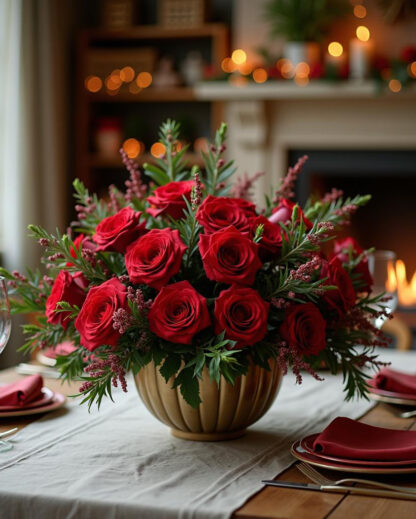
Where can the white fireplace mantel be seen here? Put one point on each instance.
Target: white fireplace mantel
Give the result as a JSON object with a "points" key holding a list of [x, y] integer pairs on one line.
{"points": [[266, 121]]}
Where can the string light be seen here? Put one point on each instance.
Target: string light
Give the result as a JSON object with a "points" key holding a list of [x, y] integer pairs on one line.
{"points": [[113, 82], [134, 89], [245, 69], [228, 65], [239, 56], [360, 11], [127, 74], [144, 79], [260, 75], [395, 85], [287, 69], [158, 150], [93, 84], [302, 70], [411, 69], [362, 33], [132, 147], [335, 49]]}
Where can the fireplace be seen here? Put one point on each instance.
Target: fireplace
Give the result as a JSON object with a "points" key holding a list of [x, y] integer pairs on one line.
{"points": [[389, 220]]}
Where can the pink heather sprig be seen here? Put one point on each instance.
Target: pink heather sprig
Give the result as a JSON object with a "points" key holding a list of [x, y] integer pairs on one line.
{"points": [[121, 320], [89, 256], [346, 212], [119, 372], [332, 196], [280, 303], [357, 319], [304, 272], [113, 204], [137, 297], [244, 185], [135, 186], [288, 353], [196, 195], [287, 187], [84, 210], [98, 368]]}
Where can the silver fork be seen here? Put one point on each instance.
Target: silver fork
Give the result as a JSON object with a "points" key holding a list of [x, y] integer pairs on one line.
{"points": [[320, 479]]}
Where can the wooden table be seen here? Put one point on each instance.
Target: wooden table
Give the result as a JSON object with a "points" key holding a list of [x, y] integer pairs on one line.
{"points": [[281, 503]]}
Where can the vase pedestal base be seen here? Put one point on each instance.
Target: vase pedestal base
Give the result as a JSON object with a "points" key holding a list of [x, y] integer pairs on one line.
{"points": [[208, 437]]}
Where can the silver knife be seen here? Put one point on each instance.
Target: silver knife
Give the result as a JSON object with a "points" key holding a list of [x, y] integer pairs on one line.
{"points": [[341, 489], [32, 369]]}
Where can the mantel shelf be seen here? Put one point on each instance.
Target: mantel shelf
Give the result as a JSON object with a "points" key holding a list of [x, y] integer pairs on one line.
{"points": [[284, 90]]}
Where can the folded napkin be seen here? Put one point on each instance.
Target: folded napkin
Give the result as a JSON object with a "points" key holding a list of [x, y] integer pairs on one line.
{"points": [[346, 438], [21, 392], [395, 381]]}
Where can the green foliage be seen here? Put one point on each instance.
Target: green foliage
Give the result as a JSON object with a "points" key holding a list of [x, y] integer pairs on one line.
{"points": [[304, 20], [217, 170]]}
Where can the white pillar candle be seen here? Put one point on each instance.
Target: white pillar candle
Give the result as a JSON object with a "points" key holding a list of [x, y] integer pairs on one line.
{"points": [[360, 58]]}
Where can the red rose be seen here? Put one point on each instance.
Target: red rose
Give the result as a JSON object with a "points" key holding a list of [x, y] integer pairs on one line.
{"points": [[229, 257], [271, 239], [178, 313], [217, 212], [304, 329], [155, 257], [343, 249], [68, 288], [283, 213], [242, 313], [115, 232], [168, 200], [343, 298], [95, 320]]}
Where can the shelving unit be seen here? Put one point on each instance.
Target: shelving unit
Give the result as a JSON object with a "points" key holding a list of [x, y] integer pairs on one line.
{"points": [[93, 169]]}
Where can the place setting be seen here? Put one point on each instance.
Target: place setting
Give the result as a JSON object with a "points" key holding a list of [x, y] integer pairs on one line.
{"points": [[353, 447]]}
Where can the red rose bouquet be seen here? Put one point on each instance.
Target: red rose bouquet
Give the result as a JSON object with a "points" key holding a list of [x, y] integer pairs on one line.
{"points": [[178, 272]]}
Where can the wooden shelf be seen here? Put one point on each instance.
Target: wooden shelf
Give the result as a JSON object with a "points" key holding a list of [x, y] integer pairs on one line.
{"points": [[98, 161], [160, 95], [156, 32]]}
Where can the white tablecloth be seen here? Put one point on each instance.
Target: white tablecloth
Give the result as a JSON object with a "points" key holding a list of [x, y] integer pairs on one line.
{"points": [[122, 463]]}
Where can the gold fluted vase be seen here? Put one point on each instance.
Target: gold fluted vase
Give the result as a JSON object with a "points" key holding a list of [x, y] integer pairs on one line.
{"points": [[225, 412]]}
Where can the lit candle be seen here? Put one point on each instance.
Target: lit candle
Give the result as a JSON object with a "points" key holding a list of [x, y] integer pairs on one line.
{"points": [[361, 50]]}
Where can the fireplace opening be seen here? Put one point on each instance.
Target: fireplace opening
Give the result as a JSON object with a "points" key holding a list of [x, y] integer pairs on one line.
{"points": [[389, 220]]}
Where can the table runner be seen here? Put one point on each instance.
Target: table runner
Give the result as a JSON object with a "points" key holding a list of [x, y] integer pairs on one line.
{"points": [[122, 463]]}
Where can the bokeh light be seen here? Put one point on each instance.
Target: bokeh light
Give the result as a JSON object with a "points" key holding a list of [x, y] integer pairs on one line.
{"points": [[144, 79], [362, 33], [411, 69], [113, 82], [260, 75], [238, 81], [335, 49], [93, 84], [239, 56], [228, 65], [133, 148], [301, 81], [158, 150], [127, 74], [302, 70], [245, 69], [201, 144], [133, 88], [287, 69], [395, 85], [360, 11]]}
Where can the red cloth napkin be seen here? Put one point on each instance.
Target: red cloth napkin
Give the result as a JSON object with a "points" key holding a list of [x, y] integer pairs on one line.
{"points": [[345, 438], [22, 392], [395, 381]]}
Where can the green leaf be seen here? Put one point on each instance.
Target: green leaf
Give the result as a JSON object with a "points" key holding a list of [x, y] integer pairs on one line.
{"points": [[189, 387], [170, 366]]}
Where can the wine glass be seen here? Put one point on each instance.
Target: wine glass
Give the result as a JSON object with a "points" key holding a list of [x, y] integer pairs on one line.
{"points": [[5, 329], [382, 266], [5, 321]]}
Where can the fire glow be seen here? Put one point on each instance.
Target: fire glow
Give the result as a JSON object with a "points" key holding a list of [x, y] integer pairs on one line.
{"points": [[397, 280]]}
